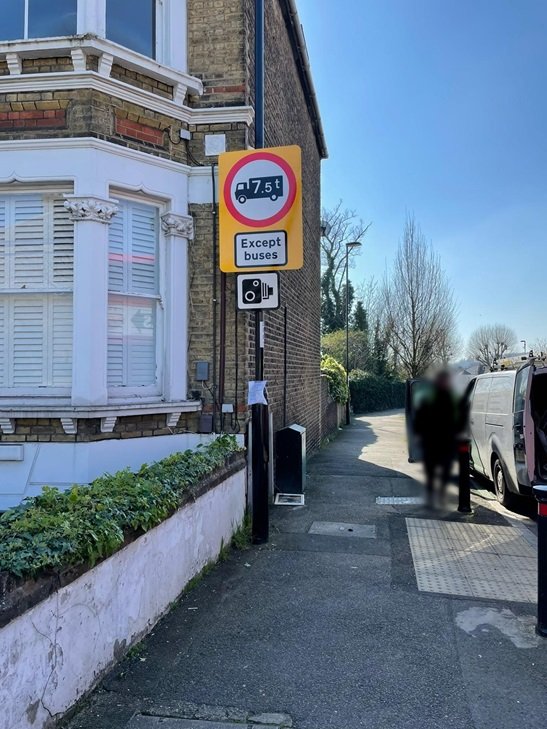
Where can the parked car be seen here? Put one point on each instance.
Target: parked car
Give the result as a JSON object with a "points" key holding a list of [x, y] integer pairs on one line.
{"points": [[508, 428]]}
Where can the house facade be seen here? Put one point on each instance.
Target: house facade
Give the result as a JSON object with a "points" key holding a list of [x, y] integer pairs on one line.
{"points": [[111, 116]]}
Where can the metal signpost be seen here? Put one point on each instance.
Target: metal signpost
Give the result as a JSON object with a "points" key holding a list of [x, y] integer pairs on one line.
{"points": [[260, 216]]}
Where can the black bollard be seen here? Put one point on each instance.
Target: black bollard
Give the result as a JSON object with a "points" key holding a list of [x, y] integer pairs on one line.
{"points": [[464, 480], [540, 492]]}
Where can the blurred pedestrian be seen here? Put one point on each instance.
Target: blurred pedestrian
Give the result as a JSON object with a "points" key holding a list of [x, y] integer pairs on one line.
{"points": [[437, 423]]}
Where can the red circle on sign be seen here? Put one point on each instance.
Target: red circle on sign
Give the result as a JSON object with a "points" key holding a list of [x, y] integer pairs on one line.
{"points": [[287, 169]]}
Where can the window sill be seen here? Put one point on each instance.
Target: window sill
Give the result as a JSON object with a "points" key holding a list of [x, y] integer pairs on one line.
{"points": [[69, 415]]}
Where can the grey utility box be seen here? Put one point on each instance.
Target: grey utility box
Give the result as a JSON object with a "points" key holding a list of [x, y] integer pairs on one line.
{"points": [[290, 459]]}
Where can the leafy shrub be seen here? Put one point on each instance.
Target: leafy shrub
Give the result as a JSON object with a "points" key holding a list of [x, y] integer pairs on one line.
{"points": [[336, 376], [86, 523], [370, 392], [334, 344]]}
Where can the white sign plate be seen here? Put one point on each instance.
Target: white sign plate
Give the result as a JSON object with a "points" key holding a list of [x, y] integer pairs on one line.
{"points": [[261, 249], [258, 291]]}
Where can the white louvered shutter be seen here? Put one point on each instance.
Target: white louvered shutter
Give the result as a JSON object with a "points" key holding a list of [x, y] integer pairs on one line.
{"points": [[36, 234], [63, 245], [29, 241], [4, 373], [134, 296], [3, 250]]}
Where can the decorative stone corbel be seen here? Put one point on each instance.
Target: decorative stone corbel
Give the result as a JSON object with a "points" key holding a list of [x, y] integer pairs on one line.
{"points": [[179, 93], [94, 209], [7, 426], [79, 61], [15, 65], [70, 425], [108, 423], [177, 225], [172, 419], [105, 64]]}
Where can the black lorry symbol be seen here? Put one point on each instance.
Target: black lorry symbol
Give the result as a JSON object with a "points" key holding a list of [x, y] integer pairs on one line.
{"points": [[259, 187]]}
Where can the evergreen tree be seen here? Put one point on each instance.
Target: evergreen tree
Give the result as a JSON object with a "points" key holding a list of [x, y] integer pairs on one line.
{"points": [[359, 318]]}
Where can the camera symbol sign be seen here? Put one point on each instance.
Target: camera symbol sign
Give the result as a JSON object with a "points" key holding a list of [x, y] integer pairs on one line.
{"points": [[258, 291]]}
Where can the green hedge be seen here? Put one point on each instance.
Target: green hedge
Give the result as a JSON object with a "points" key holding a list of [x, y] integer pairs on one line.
{"points": [[336, 376], [86, 523], [370, 393]]}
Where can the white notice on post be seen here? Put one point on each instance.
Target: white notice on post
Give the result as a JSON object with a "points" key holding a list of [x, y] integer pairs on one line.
{"points": [[257, 392]]}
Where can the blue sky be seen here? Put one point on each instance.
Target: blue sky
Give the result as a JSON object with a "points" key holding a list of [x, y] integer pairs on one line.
{"points": [[439, 107]]}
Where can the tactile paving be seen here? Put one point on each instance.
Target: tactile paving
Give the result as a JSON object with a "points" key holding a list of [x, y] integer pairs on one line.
{"points": [[473, 559]]}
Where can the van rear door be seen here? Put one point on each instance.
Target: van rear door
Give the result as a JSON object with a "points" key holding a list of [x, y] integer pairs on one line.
{"points": [[477, 415], [523, 426]]}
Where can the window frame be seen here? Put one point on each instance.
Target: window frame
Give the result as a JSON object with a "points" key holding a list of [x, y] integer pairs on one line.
{"points": [[53, 391], [123, 393]]}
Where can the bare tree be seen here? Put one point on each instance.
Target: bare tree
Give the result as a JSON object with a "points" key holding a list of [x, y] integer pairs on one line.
{"points": [[418, 305], [339, 227], [490, 342], [539, 347]]}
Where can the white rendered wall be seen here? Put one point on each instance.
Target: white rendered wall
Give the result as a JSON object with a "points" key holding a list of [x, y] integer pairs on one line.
{"points": [[55, 652]]}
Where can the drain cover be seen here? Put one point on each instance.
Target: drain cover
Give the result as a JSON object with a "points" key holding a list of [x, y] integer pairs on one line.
{"points": [[289, 499], [399, 500], [341, 529]]}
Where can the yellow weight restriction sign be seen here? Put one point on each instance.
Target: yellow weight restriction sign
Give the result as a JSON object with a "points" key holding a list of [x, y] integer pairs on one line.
{"points": [[260, 195]]}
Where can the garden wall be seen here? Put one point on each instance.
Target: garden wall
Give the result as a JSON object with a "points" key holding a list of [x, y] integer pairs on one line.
{"points": [[53, 653]]}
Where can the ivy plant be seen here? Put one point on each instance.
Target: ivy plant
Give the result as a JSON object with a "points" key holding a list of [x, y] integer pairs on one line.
{"points": [[86, 523]]}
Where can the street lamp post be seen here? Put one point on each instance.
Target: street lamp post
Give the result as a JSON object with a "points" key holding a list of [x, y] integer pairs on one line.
{"points": [[349, 246]]}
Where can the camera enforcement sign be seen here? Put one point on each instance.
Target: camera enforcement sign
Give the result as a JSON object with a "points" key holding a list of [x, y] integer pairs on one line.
{"points": [[261, 210], [258, 291]]}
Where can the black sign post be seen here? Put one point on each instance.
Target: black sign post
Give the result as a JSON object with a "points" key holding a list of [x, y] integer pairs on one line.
{"points": [[540, 492], [259, 416]]}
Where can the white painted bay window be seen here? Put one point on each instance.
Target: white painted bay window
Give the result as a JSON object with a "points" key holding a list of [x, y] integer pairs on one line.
{"points": [[36, 267], [134, 313]]}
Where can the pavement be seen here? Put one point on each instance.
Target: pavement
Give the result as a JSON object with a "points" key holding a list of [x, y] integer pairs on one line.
{"points": [[325, 627]]}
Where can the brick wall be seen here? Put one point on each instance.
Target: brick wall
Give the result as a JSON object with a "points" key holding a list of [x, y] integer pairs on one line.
{"points": [[217, 44], [133, 78], [46, 430], [287, 122], [47, 65], [83, 112]]}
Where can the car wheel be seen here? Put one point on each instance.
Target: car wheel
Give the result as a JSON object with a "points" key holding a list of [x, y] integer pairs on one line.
{"points": [[273, 198], [242, 199], [503, 495]]}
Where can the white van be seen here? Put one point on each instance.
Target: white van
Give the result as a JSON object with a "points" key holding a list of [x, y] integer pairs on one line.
{"points": [[508, 428]]}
